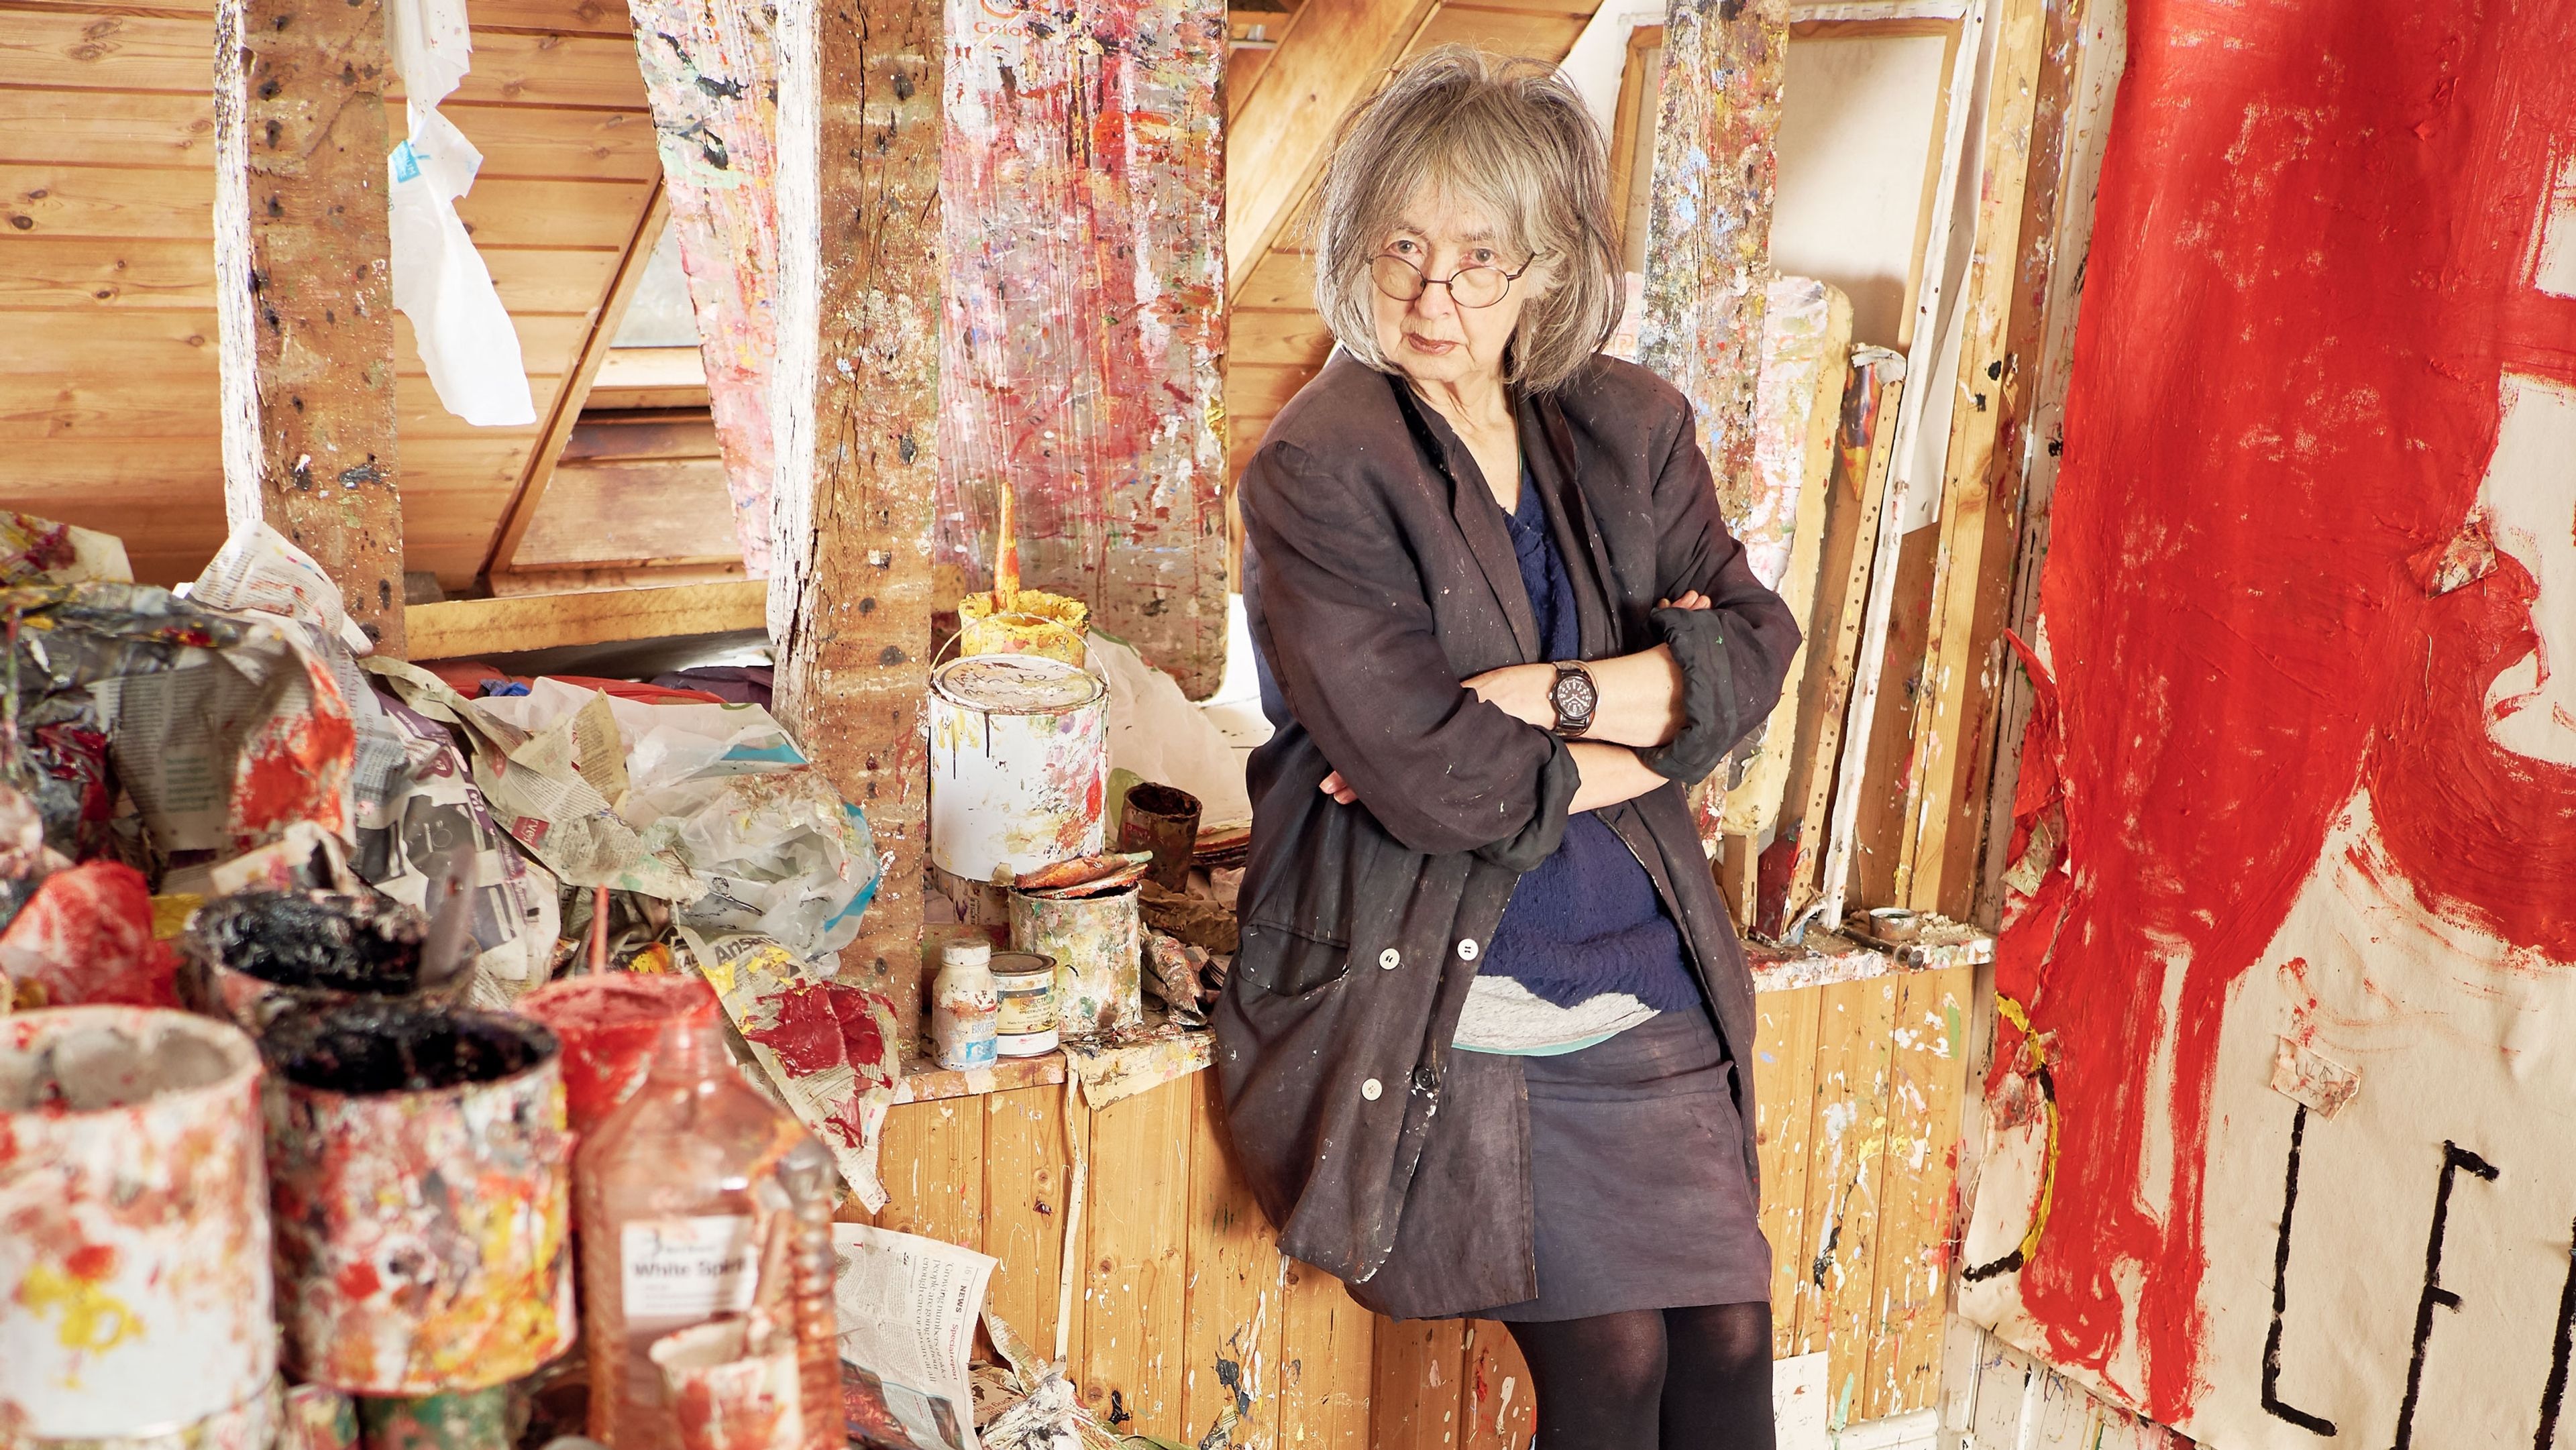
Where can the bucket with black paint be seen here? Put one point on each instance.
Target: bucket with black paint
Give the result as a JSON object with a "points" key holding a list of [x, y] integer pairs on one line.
{"points": [[421, 1187], [251, 956]]}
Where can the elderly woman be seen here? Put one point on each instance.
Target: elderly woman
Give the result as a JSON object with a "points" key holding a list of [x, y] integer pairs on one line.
{"points": [[1483, 1045]]}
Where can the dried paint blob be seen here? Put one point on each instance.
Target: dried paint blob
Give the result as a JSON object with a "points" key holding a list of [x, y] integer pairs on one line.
{"points": [[400, 1047]]}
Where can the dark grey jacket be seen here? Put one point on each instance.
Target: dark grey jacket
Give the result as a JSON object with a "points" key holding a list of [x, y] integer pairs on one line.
{"points": [[1378, 575]]}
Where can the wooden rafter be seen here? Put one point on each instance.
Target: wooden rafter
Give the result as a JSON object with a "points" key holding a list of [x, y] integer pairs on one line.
{"points": [[540, 469], [1333, 54]]}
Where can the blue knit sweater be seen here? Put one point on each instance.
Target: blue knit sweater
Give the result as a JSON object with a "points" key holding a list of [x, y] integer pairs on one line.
{"points": [[1587, 920]]}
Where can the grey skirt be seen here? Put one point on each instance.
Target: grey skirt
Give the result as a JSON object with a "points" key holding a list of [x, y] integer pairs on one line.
{"points": [[1638, 1195]]}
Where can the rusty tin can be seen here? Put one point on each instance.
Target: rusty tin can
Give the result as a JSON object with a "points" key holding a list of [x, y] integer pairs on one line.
{"points": [[134, 1236], [1024, 990], [1164, 820], [1095, 941], [420, 1185]]}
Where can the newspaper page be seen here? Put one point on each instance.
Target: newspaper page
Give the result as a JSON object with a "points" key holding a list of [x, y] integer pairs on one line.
{"points": [[907, 1307]]}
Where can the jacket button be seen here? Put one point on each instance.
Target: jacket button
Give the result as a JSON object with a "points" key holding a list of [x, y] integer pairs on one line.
{"points": [[1467, 950], [1371, 1089], [1388, 959]]}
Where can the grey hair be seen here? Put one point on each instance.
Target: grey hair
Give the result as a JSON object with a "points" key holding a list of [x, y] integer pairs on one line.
{"points": [[1511, 134]]}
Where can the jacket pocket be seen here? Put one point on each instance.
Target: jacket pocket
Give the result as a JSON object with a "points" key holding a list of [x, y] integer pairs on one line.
{"points": [[1286, 962]]}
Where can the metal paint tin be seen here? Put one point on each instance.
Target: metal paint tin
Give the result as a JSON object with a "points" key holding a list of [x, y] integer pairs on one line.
{"points": [[608, 1023], [1096, 944], [1019, 763], [255, 955], [134, 1233], [420, 1186], [457, 1420], [1024, 988], [250, 1425]]}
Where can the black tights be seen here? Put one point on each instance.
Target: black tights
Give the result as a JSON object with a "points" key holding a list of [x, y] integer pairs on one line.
{"points": [[1653, 1379]]}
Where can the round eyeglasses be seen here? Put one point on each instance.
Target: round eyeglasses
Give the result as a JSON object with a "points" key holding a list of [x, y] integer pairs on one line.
{"points": [[1478, 286]]}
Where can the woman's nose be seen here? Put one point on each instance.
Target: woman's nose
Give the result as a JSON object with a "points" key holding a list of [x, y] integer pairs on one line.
{"points": [[1435, 302]]}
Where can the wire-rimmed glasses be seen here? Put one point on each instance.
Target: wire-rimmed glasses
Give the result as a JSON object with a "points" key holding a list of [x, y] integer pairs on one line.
{"points": [[1476, 286]]}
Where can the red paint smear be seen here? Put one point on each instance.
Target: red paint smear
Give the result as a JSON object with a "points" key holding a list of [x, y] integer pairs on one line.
{"points": [[93, 1262], [2310, 264], [296, 770], [819, 1026], [85, 939]]}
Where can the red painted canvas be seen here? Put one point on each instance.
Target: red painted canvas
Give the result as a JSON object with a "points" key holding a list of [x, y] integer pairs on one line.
{"points": [[2278, 1140], [1083, 188]]}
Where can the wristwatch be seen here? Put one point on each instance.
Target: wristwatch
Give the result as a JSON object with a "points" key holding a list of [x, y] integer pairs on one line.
{"points": [[1575, 697]]}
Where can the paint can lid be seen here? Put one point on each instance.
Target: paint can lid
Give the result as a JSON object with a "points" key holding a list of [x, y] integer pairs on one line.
{"points": [[1016, 684], [1023, 964]]}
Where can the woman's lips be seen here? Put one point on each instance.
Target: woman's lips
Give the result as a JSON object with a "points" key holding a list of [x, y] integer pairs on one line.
{"points": [[1429, 345]]}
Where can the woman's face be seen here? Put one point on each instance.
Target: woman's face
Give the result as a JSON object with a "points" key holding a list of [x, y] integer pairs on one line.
{"points": [[1432, 339]]}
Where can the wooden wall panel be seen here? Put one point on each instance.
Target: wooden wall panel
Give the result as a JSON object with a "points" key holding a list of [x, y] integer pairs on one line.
{"points": [[931, 1162], [1846, 1163], [1137, 1257], [1327, 1360], [1496, 1408], [1414, 1394], [1027, 1174], [1927, 1086], [106, 195], [1784, 1111], [1237, 1283]]}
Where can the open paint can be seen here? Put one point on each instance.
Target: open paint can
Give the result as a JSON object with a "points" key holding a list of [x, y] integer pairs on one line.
{"points": [[421, 1191], [1019, 763], [608, 1023], [1096, 943], [1024, 983], [134, 1232], [254, 955]]}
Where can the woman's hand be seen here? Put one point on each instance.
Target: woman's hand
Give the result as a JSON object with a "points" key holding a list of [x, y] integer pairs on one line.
{"points": [[1638, 692]]}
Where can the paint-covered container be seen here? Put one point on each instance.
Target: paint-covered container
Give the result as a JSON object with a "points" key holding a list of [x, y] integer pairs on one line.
{"points": [[1024, 622], [134, 1230], [1024, 1022], [1019, 763], [727, 1394], [251, 1425], [255, 955], [608, 1023], [1095, 941], [963, 1009], [420, 1187]]}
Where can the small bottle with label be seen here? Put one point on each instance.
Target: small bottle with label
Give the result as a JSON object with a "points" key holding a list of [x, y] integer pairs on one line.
{"points": [[674, 1195], [964, 1008]]}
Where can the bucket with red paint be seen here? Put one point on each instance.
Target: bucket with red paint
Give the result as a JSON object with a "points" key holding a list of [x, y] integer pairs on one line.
{"points": [[608, 1023], [420, 1190], [134, 1228], [731, 1388]]}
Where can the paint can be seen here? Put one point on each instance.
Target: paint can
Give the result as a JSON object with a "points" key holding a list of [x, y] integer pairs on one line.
{"points": [[255, 955], [1019, 763], [420, 1188], [1164, 820], [134, 1229], [250, 1425], [1024, 622], [1095, 942], [318, 1417], [1024, 1023], [963, 1010], [453, 1420], [724, 1395], [608, 1023]]}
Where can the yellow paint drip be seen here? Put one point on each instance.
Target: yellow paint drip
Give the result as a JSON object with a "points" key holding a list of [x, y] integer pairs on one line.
{"points": [[2011, 1011], [93, 1319]]}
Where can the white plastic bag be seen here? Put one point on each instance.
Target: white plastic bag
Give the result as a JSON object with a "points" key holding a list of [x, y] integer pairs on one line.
{"points": [[440, 283]]}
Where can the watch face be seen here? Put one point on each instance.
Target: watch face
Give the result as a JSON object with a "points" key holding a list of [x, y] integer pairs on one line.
{"points": [[1575, 696]]}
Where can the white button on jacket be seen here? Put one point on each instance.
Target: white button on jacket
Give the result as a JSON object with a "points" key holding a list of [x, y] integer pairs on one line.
{"points": [[1371, 1089], [1388, 959]]}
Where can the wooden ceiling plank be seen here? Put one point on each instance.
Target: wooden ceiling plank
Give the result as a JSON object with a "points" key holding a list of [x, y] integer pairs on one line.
{"points": [[1334, 54], [515, 517], [464, 628]]}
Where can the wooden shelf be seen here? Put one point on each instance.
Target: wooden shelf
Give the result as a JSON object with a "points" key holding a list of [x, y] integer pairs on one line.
{"points": [[465, 628]]}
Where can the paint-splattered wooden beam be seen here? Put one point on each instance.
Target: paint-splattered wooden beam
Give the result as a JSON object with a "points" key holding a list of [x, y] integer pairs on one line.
{"points": [[1708, 246], [1332, 55], [711, 72], [1708, 221], [855, 419], [304, 273]]}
